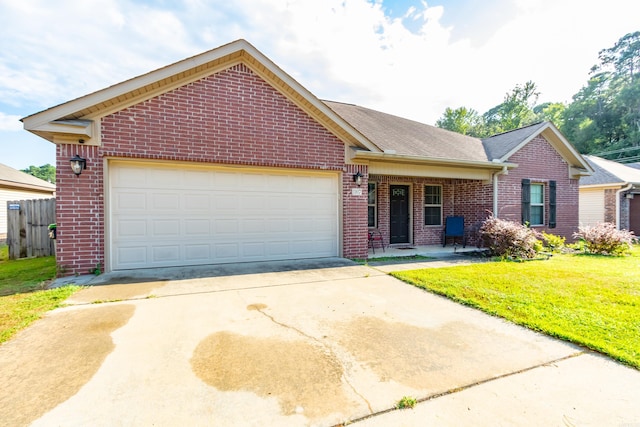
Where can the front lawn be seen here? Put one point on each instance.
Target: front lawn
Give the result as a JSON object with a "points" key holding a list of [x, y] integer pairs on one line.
{"points": [[22, 298], [589, 300]]}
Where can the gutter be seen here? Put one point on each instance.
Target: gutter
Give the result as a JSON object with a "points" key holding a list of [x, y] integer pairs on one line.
{"points": [[618, 194], [422, 160], [504, 171]]}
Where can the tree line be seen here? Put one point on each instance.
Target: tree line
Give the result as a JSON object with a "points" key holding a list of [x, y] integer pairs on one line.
{"points": [[603, 118]]}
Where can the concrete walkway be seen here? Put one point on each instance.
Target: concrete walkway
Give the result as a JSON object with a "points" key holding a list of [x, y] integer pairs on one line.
{"points": [[302, 343]]}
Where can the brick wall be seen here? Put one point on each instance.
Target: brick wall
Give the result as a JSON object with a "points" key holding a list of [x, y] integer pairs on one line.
{"points": [[79, 211], [541, 163], [610, 206], [232, 117], [354, 213], [469, 198]]}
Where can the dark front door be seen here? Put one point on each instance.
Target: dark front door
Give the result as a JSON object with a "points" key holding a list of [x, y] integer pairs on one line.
{"points": [[634, 214], [399, 213]]}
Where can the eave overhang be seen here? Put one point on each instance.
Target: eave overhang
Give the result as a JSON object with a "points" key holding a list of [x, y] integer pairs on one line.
{"points": [[25, 186], [429, 161], [80, 118], [578, 166]]}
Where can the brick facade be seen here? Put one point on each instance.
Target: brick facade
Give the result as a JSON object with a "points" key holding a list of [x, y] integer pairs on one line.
{"points": [[232, 117], [469, 198], [236, 118], [610, 206], [541, 163]]}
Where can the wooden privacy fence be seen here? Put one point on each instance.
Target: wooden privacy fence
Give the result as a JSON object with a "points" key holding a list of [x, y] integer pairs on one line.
{"points": [[28, 228]]}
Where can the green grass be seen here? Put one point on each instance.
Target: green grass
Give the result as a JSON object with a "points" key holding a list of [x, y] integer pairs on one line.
{"points": [[22, 296], [590, 300]]}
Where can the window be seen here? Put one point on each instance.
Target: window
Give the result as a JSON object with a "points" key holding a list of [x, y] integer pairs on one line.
{"points": [[432, 205], [533, 206], [372, 205], [537, 204]]}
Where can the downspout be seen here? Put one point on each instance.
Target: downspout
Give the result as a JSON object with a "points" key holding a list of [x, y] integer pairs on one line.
{"points": [[618, 194], [504, 171]]}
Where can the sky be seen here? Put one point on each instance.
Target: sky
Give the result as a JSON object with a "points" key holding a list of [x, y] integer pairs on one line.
{"points": [[411, 58]]}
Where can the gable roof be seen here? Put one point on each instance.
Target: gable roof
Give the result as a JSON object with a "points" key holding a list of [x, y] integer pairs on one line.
{"points": [[10, 177], [413, 140], [373, 135], [78, 119], [607, 172], [407, 137], [504, 145]]}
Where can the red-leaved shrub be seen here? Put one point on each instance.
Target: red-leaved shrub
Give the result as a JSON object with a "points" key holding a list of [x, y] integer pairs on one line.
{"points": [[605, 239], [509, 239]]}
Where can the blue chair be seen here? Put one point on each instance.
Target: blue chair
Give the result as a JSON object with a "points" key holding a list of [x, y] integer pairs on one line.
{"points": [[454, 227]]}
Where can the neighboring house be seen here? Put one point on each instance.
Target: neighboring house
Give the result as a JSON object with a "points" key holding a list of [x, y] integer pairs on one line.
{"points": [[611, 194], [17, 185], [223, 157]]}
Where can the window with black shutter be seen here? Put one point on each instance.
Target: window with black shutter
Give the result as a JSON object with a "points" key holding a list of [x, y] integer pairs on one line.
{"points": [[552, 204], [526, 201]]}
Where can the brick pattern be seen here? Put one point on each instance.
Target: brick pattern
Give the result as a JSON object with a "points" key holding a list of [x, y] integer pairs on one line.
{"points": [[469, 198], [610, 206], [354, 226], [232, 117], [625, 212], [541, 163], [79, 211]]}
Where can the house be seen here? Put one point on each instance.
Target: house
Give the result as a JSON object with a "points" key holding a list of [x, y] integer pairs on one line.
{"points": [[611, 194], [223, 157], [17, 185]]}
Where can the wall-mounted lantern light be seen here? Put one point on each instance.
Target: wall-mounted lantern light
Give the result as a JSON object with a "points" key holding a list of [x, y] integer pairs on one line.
{"points": [[78, 164], [357, 178]]}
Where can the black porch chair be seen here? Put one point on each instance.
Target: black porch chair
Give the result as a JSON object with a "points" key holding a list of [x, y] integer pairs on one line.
{"points": [[454, 227]]}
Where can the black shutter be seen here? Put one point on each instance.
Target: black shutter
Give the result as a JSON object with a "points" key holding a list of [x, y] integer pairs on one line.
{"points": [[526, 201], [552, 204]]}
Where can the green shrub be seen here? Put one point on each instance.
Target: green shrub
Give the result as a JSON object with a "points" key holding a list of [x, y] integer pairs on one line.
{"points": [[553, 243], [605, 239], [509, 239]]}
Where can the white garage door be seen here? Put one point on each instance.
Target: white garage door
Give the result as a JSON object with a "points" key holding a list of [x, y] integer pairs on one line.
{"points": [[164, 215], [591, 206]]}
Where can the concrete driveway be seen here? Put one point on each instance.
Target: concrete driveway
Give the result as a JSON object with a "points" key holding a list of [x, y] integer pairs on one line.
{"points": [[295, 343]]}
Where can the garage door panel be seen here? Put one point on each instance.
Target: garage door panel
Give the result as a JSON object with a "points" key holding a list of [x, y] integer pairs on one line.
{"points": [[209, 215], [130, 228], [197, 201], [225, 201], [197, 227], [130, 200], [198, 252], [165, 254], [227, 226], [166, 227], [131, 256], [165, 201], [227, 251], [197, 179]]}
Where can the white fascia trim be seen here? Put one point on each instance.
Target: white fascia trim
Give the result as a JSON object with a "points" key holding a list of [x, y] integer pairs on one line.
{"points": [[400, 158]]}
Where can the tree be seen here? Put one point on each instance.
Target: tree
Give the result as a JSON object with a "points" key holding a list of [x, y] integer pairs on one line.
{"points": [[514, 112], [44, 172], [605, 113], [551, 112], [463, 120]]}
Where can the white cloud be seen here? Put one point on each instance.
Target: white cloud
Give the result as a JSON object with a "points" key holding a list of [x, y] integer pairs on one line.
{"points": [[9, 122], [343, 50]]}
